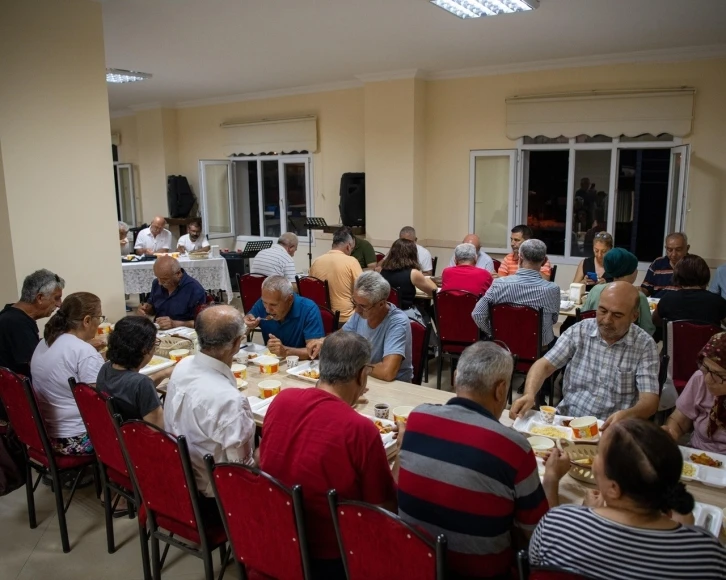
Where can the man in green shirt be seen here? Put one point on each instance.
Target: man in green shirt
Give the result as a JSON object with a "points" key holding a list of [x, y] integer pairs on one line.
{"points": [[364, 253]]}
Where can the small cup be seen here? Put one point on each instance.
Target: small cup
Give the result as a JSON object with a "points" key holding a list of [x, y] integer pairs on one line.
{"points": [[104, 328], [269, 368], [584, 427], [292, 361], [548, 414], [381, 411], [239, 371], [178, 354], [241, 357], [269, 388], [400, 414], [541, 445]]}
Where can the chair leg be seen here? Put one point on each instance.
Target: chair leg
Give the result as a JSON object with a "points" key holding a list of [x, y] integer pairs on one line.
{"points": [[97, 479], [60, 508], [242, 571], [108, 510], [30, 494], [224, 557], [144, 538], [439, 369], [155, 561], [208, 565]]}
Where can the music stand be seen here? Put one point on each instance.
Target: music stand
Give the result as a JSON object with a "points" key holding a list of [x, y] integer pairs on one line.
{"points": [[254, 248], [313, 223]]}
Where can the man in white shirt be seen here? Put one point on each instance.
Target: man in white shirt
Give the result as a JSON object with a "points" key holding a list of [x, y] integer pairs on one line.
{"points": [[123, 234], [194, 241], [483, 260], [202, 400], [154, 239], [424, 256], [277, 260]]}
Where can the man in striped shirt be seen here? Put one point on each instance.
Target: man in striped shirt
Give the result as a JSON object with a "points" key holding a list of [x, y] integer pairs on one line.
{"points": [[659, 278], [465, 475], [510, 263], [277, 260], [526, 288]]}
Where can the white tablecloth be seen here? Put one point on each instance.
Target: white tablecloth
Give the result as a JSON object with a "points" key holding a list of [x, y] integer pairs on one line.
{"points": [[211, 273]]}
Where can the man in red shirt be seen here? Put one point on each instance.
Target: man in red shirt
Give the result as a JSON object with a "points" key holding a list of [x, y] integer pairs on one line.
{"points": [[314, 438], [465, 275]]}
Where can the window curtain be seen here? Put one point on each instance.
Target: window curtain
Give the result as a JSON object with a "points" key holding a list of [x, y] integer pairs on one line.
{"points": [[268, 136]]}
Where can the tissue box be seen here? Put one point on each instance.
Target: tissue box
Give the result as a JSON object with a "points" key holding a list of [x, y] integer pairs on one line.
{"points": [[576, 292]]}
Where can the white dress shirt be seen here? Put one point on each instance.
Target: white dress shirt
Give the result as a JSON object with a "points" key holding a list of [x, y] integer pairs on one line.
{"points": [[483, 261], [424, 258], [146, 240], [204, 405], [186, 242]]}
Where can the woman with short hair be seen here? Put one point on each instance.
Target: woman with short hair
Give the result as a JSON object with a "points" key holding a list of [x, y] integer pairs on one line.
{"points": [[625, 529]]}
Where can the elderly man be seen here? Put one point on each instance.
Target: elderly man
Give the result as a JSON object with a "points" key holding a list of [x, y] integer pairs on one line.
{"points": [[424, 256], [123, 236], [612, 365], [510, 264], [464, 474], [175, 295], [526, 288], [277, 260], [289, 322], [194, 241], [202, 399], [466, 274], [659, 278], [363, 252], [155, 239], [347, 454], [341, 270], [482, 259]]}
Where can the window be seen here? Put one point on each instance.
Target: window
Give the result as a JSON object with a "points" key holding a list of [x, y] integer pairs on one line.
{"points": [[125, 196], [632, 187]]}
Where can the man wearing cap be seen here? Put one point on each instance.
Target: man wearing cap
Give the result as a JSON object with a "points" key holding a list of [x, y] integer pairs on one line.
{"points": [[621, 265]]}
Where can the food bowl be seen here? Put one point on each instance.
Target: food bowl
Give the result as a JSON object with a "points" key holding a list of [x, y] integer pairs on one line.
{"points": [[239, 371], [178, 354], [269, 388], [400, 414], [582, 456], [584, 428], [381, 411], [269, 365], [541, 446], [104, 328]]}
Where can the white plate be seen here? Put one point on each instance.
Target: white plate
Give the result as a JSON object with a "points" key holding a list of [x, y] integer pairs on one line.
{"points": [[711, 476], [260, 406], [301, 368], [264, 360], [389, 441], [256, 349], [534, 419], [165, 364], [701, 511]]}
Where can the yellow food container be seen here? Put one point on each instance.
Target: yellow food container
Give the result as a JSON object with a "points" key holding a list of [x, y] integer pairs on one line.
{"points": [[269, 388], [178, 354], [400, 414], [584, 428], [239, 371]]}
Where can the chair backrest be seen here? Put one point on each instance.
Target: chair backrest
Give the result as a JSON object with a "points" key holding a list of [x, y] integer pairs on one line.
{"points": [[95, 408], [250, 289], [683, 340], [553, 273], [377, 544], [420, 336], [434, 262], [276, 544], [331, 319], [584, 314], [314, 289], [393, 297], [452, 309], [520, 328], [497, 265], [379, 257], [23, 413], [528, 572]]}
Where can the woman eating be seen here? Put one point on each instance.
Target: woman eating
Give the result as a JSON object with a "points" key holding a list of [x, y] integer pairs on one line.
{"points": [[591, 271], [625, 530], [131, 346], [701, 408], [65, 353]]}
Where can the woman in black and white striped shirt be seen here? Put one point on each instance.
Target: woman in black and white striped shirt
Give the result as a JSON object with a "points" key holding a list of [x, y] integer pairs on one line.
{"points": [[625, 530]]}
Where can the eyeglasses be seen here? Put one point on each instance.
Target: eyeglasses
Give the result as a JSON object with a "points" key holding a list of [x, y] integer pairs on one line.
{"points": [[604, 236], [361, 307], [717, 377], [101, 318]]}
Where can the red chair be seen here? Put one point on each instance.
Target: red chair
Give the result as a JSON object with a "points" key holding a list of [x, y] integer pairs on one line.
{"points": [[24, 415], [682, 341], [263, 519], [97, 410], [331, 320], [420, 336], [528, 572], [161, 471], [393, 297], [379, 257], [520, 328], [378, 544], [497, 265], [250, 289], [315, 289], [457, 330], [581, 315]]}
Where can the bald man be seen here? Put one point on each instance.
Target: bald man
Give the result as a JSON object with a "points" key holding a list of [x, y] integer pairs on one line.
{"points": [[483, 260], [612, 364], [175, 296], [155, 239]]}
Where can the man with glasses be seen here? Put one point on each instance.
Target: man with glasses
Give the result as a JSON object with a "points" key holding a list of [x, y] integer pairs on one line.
{"points": [[659, 277], [194, 241], [315, 438], [154, 239]]}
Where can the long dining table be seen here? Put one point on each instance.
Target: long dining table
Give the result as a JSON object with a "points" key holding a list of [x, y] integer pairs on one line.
{"points": [[397, 393]]}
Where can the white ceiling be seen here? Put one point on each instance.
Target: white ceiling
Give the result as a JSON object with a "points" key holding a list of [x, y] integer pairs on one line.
{"points": [[199, 49]]}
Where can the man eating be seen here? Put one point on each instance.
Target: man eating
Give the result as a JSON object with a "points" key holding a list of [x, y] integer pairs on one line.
{"points": [[153, 240], [193, 241]]}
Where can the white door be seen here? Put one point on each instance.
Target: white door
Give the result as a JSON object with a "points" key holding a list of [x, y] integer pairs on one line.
{"points": [[295, 193], [677, 209], [216, 182]]}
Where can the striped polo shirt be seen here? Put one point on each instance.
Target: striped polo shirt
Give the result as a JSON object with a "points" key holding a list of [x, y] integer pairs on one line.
{"points": [[274, 261], [659, 278], [464, 474]]}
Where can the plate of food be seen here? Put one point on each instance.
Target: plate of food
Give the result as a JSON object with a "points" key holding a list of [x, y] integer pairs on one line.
{"points": [[710, 468], [387, 429], [306, 371], [254, 351], [259, 406], [534, 424], [157, 363]]}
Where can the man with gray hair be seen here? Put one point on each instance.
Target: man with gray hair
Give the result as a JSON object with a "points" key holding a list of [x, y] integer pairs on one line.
{"points": [[154, 239], [277, 260], [289, 322], [659, 277], [525, 288], [424, 256], [41, 294], [123, 235], [465, 274], [346, 455], [464, 474], [202, 399]]}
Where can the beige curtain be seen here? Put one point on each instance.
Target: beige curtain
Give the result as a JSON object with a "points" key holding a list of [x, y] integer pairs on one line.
{"points": [[278, 136]]}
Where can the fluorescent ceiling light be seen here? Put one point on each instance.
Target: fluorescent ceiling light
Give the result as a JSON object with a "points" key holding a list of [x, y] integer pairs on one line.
{"points": [[478, 8], [117, 75]]}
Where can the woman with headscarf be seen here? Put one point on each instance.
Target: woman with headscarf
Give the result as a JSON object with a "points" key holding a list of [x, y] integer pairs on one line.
{"points": [[621, 265], [701, 408]]}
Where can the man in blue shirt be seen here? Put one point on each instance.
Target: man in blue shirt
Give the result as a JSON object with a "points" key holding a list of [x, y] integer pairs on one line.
{"points": [[718, 284], [287, 320], [175, 296], [659, 277]]}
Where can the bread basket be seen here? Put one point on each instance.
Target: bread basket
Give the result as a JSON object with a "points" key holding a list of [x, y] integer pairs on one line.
{"points": [[581, 452], [198, 255], [169, 343]]}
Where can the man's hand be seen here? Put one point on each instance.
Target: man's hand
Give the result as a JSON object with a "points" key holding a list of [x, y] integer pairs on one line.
{"points": [[521, 406], [159, 376], [98, 342], [557, 466], [594, 499], [313, 347], [165, 323], [276, 347], [251, 321], [145, 309], [614, 418]]}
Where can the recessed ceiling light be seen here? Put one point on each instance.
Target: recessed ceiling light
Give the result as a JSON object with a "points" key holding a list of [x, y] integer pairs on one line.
{"points": [[117, 75], [478, 8]]}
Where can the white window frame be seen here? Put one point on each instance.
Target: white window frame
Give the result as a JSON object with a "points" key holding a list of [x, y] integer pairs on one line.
{"points": [[118, 167], [204, 163]]}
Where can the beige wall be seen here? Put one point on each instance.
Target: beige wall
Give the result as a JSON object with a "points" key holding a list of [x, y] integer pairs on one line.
{"points": [[8, 284], [54, 128]]}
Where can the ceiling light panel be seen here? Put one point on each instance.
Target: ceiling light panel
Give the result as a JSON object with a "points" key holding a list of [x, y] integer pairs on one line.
{"points": [[479, 8], [117, 75]]}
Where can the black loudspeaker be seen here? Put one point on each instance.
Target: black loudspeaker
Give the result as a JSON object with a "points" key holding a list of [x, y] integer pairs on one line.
{"points": [[179, 195], [353, 199]]}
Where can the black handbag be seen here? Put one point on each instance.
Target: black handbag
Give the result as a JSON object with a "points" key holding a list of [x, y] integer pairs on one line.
{"points": [[12, 462]]}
